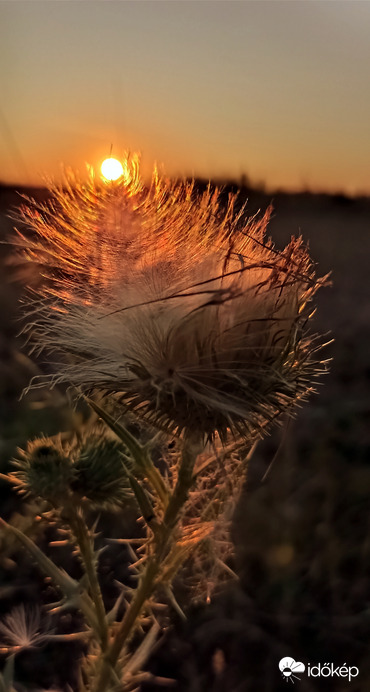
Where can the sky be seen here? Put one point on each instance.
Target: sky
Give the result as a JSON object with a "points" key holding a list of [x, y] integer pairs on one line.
{"points": [[274, 90]]}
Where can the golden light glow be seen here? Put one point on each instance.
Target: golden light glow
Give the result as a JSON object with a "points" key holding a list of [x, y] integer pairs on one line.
{"points": [[111, 169]]}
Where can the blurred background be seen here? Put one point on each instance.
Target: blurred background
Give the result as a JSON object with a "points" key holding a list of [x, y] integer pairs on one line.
{"points": [[269, 98]]}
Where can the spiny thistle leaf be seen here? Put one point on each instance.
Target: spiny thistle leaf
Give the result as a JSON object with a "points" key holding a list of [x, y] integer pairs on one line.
{"points": [[140, 454], [74, 595], [142, 498], [136, 449], [67, 585]]}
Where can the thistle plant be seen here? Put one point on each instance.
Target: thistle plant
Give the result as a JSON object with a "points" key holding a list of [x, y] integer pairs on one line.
{"points": [[185, 329]]}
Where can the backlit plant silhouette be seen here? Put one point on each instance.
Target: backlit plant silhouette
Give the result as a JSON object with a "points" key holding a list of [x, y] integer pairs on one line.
{"points": [[175, 317]]}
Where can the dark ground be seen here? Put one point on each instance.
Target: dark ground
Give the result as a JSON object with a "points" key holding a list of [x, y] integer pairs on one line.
{"points": [[302, 536]]}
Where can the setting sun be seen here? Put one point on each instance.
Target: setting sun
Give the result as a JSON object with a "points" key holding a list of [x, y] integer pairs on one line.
{"points": [[111, 169]]}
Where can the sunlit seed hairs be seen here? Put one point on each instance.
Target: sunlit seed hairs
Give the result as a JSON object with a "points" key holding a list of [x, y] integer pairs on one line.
{"points": [[173, 301]]}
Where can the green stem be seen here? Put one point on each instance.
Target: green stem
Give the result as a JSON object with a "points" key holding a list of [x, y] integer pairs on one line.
{"points": [[153, 567], [143, 592], [85, 544]]}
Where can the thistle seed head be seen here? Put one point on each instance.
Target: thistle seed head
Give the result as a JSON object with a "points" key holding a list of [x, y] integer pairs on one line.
{"points": [[172, 301]]}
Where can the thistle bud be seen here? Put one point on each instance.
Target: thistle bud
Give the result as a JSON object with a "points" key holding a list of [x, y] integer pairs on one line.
{"points": [[99, 475], [45, 470]]}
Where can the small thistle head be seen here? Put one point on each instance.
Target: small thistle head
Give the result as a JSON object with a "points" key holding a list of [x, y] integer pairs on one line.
{"points": [[174, 302], [88, 470], [44, 470], [99, 474]]}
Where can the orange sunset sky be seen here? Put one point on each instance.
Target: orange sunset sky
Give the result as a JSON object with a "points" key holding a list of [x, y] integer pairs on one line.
{"points": [[277, 90]]}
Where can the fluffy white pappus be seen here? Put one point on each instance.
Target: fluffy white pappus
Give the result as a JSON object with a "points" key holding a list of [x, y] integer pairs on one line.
{"points": [[173, 301], [22, 629]]}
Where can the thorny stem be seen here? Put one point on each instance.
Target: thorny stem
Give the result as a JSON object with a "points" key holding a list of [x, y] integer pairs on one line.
{"points": [[184, 481], [148, 581], [85, 545]]}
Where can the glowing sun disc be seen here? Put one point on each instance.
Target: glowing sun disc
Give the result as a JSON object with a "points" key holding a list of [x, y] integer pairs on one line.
{"points": [[111, 169]]}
